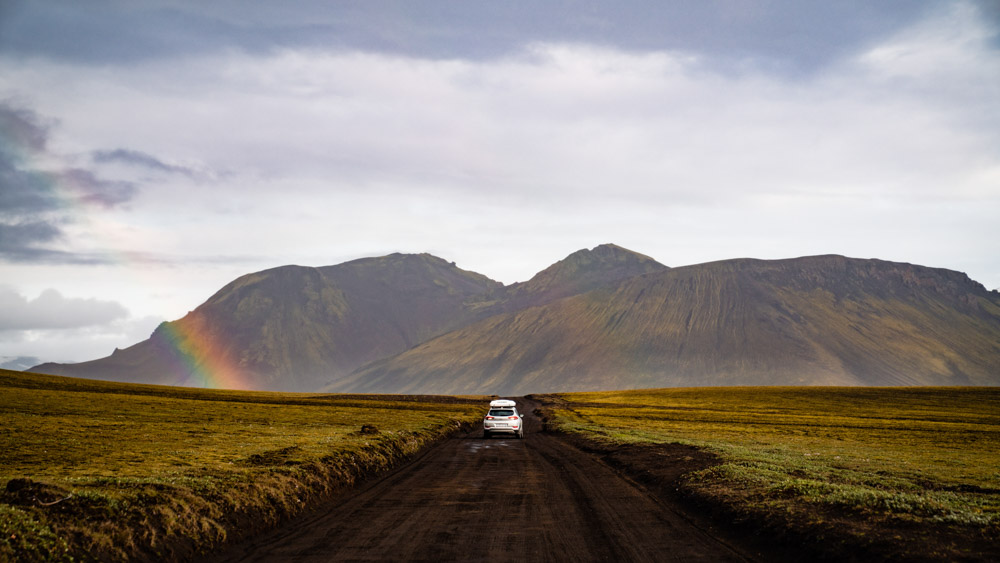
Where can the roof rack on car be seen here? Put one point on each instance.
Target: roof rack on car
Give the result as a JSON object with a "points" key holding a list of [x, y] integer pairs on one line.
{"points": [[501, 403]]}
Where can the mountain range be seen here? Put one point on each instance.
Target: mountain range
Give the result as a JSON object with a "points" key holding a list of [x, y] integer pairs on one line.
{"points": [[605, 318]]}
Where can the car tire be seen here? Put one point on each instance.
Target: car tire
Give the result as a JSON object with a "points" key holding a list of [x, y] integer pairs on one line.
{"points": [[486, 435]]}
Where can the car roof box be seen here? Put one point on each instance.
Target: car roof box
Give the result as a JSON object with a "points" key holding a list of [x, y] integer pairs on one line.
{"points": [[501, 403]]}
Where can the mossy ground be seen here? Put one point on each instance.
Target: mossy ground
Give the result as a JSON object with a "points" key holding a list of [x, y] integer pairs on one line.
{"points": [[910, 471], [99, 470]]}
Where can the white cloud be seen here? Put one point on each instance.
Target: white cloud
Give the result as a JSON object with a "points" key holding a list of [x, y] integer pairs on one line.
{"points": [[567, 118], [51, 310], [52, 327]]}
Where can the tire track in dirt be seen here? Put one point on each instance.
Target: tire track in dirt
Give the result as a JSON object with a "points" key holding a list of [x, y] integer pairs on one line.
{"points": [[502, 499]]}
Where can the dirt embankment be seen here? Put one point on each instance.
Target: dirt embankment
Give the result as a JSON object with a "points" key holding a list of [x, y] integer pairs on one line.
{"points": [[166, 523]]}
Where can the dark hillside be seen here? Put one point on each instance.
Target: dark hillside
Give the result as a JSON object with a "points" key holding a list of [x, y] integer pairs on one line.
{"points": [[825, 320]]}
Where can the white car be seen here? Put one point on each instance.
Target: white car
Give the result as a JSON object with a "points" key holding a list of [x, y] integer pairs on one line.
{"points": [[503, 418]]}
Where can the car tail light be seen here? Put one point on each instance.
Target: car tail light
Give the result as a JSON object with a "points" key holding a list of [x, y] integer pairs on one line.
{"points": [[489, 418], [511, 418]]}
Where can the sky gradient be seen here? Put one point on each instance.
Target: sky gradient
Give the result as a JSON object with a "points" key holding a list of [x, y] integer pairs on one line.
{"points": [[151, 152]]}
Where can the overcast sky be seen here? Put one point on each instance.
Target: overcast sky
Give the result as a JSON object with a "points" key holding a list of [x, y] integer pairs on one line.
{"points": [[151, 152]]}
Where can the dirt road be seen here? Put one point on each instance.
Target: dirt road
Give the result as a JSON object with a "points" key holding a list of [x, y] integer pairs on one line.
{"points": [[502, 499]]}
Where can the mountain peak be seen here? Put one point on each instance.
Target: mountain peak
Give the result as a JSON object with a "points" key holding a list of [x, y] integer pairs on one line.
{"points": [[602, 264], [580, 272], [609, 253]]}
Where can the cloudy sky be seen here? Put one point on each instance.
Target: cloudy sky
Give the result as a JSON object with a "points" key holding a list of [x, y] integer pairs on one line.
{"points": [[152, 151]]}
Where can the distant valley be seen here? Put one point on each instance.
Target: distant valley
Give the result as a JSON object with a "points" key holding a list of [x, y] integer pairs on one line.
{"points": [[600, 319]]}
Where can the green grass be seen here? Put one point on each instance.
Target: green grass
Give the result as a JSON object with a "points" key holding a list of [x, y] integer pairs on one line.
{"points": [[151, 472], [864, 461]]}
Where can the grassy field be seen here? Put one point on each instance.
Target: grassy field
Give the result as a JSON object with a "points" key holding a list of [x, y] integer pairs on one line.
{"points": [[115, 471], [911, 472]]}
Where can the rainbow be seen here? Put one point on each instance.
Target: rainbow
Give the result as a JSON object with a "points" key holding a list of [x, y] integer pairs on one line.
{"points": [[199, 357]]}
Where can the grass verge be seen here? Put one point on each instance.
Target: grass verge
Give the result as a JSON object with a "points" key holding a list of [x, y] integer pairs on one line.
{"points": [[107, 471], [842, 473]]}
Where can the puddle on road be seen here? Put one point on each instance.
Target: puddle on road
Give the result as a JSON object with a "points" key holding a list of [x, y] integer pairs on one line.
{"points": [[475, 446]]}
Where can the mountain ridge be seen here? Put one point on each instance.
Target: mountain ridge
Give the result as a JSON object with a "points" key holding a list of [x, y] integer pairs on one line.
{"points": [[811, 320], [604, 318]]}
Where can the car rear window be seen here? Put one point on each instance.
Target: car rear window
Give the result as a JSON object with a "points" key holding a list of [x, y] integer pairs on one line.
{"points": [[501, 412]]}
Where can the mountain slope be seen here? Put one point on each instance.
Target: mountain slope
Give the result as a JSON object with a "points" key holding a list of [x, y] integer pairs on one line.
{"points": [[294, 328], [808, 321]]}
